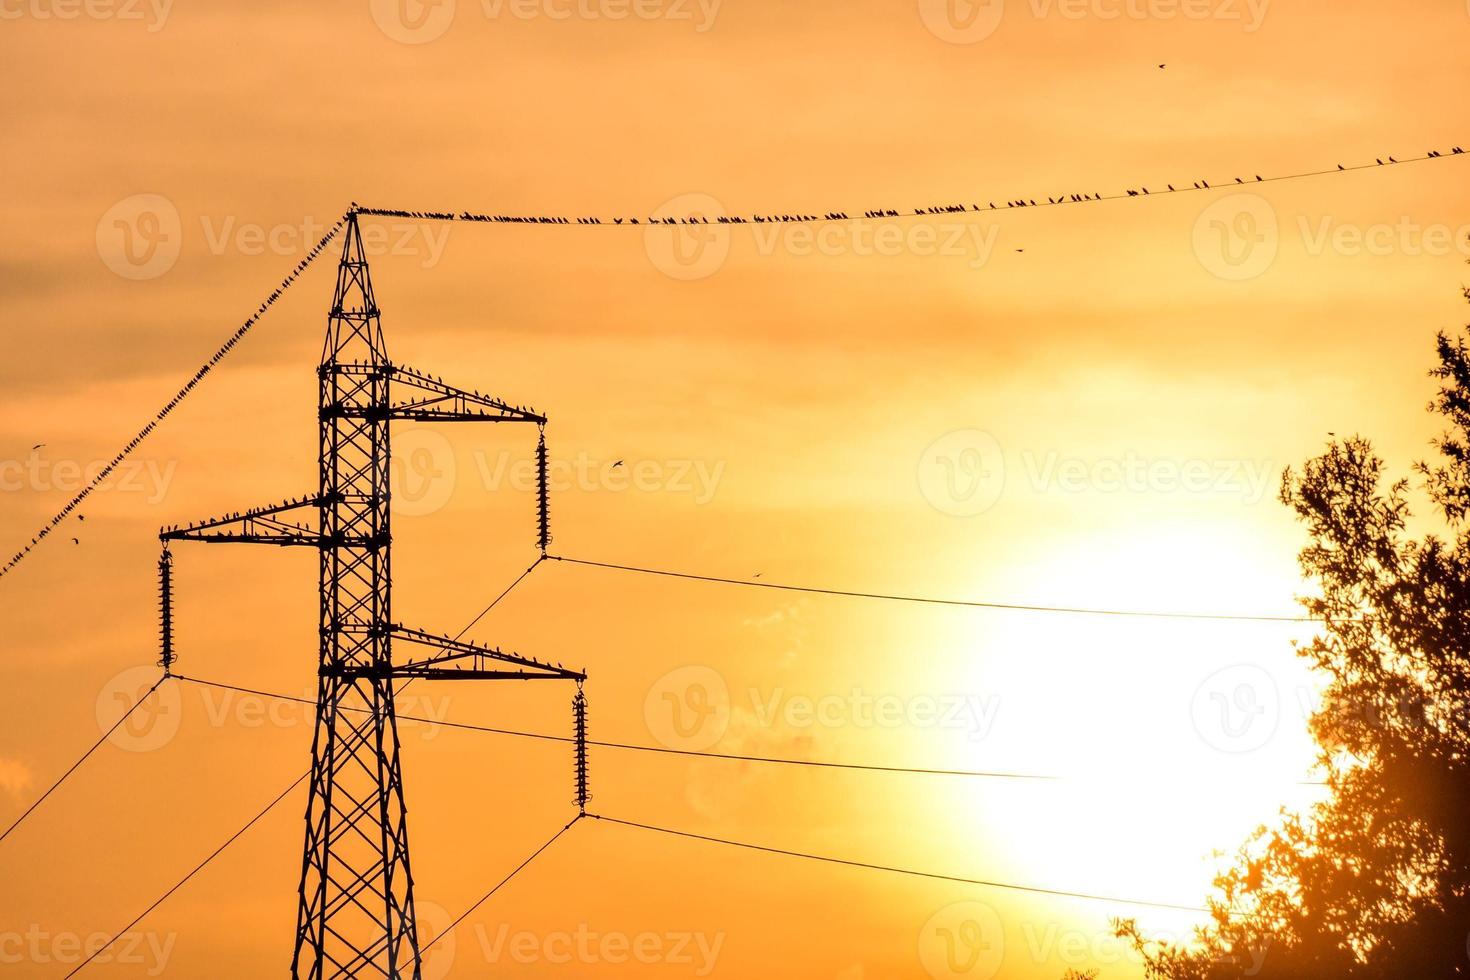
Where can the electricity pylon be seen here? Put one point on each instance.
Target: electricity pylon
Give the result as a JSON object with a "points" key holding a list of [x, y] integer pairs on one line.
{"points": [[356, 916]]}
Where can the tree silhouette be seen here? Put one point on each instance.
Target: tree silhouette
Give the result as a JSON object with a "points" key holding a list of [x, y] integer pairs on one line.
{"points": [[1374, 882]]}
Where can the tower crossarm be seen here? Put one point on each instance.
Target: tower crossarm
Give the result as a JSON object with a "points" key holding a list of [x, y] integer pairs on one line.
{"points": [[458, 660], [423, 398], [283, 524]]}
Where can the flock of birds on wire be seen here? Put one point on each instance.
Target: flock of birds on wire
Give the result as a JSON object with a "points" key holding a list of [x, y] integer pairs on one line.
{"points": [[173, 402], [355, 209], [786, 218]]}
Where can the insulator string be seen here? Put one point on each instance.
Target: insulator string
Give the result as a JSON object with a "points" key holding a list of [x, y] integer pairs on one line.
{"points": [[543, 495], [166, 611], [579, 719]]}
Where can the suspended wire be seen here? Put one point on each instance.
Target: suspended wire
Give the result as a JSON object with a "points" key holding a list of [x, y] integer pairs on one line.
{"points": [[660, 749], [970, 603], [84, 757], [172, 403], [253, 820], [1008, 886], [645, 221], [501, 884], [496, 601], [184, 880], [629, 746]]}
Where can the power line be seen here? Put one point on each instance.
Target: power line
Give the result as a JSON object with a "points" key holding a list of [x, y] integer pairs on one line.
{"points": [[633, 747], [666, 750], [1008, 886], [644, 222], [969, 603], [501, 884], [172, 403], [251, 822], [647, 221], [84, 756], [496, 601], [184, 880]]}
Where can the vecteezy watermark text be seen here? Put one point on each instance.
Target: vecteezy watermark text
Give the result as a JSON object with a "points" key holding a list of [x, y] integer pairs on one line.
{"points": [[153, 14]]}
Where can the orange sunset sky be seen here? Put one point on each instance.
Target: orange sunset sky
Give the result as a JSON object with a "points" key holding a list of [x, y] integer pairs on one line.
{"points": [[1081, 406]]}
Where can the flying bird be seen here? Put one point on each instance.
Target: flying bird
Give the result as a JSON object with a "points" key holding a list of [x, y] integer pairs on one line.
{"points": [[75, 541], [37, 446], [617, 464], [1162, 66]]}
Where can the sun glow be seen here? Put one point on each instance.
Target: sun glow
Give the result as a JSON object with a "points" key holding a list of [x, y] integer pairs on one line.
{"points": [[1173, 739]]}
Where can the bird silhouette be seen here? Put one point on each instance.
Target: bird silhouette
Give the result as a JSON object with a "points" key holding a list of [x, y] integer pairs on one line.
{"points": [[37, 446], [75, 541], [1163, 66], [617, 464], [81, 517], [1019, 250]]}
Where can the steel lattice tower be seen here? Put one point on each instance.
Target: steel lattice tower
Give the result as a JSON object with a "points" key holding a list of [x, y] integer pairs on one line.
{"points": [[356, 914]]}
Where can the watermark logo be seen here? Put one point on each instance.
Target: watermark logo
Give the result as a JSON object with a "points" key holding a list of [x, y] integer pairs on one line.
{"points": [[693, 249], [1237, 709], [972, 241], [421, 472], [974, 714], [413, 21], [1248, 479], [697, 952], [154, 723], [688, 708], [149, 477], [700, 13], [147, 952], [1237, 237], [971, 21], [962, 473], [585, 473], [140, 236], [153, 14], [963, 941], [962, 21], [1405, 237]]}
